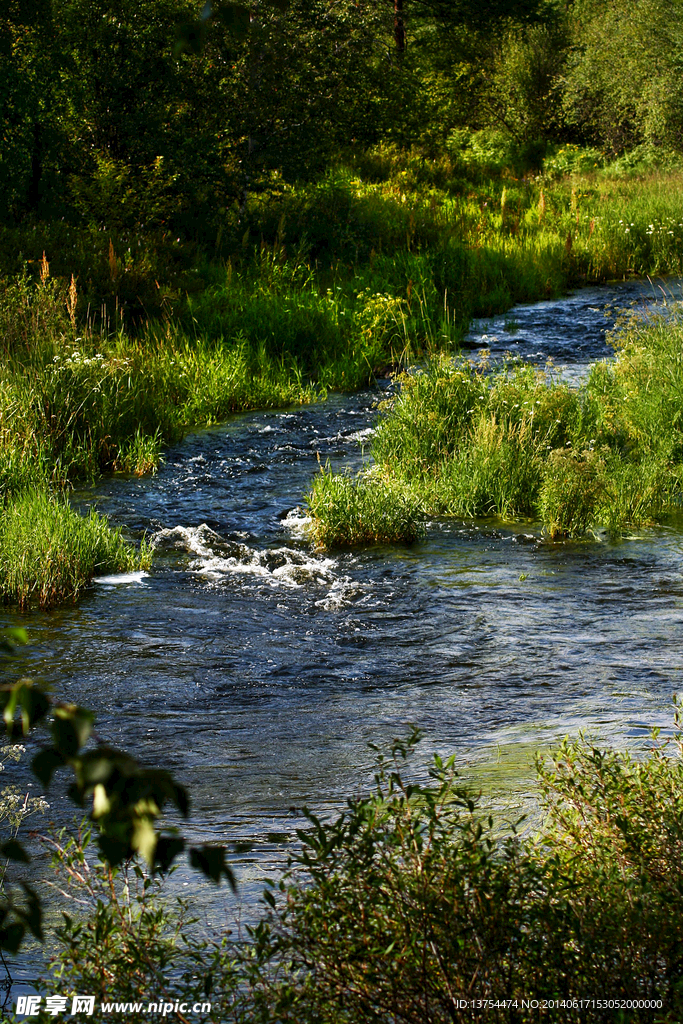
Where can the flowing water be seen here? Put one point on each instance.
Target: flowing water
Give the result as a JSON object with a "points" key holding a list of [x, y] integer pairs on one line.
{"points": [[258, 670]]}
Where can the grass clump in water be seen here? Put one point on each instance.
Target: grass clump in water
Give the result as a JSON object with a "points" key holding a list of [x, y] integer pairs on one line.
{"points": [[516, 443], [347, 510], [49, 553]]}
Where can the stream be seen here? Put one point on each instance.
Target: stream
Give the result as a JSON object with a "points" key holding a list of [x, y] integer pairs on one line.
{"points": [[258, 671]]}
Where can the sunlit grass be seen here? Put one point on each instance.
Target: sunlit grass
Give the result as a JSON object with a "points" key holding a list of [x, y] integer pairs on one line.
{"points": [[347, 511], [515, 444], [373, 267], [49, 553]]}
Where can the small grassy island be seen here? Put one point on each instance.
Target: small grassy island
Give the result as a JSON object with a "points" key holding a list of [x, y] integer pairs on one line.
{"points": [[209, 208], [459, 440]]}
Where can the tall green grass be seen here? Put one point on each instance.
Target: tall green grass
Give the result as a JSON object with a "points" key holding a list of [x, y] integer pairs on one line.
{"points": [[82, 403], [379, 263], [49, 553], [368, 510], [515, 443]]}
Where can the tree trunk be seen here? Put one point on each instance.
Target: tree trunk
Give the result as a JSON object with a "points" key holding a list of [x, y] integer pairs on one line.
{"points": [[399, 27]]}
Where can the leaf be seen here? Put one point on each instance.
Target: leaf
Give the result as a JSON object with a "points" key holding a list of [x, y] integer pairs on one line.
{"points": [[65, 738], [33, 914], [81, 718], [144, 839], [10, 708], [35, 704], [101, 804], [45, 764], [210, 860], [167, 849], [11, 936], [114, 851], [14, 851], [13, 638]]}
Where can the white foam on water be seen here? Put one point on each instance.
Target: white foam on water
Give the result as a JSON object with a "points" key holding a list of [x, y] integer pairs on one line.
{"points": [[362, 435], [343, 592], [122, 577], [276, 566], [196, 540], [297, 522], [218, 558]]}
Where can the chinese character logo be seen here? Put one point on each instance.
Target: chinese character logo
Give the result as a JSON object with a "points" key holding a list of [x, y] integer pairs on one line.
{"points": [[28, 1006], [83, 1004], [55, 1004]]}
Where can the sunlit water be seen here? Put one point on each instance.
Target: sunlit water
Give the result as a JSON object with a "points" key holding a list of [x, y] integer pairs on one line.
{"points": [[258, 670]]}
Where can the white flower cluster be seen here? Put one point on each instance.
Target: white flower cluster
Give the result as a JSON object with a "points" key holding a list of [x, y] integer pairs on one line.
{"points": [[15, 805], [11, 752], [77, 358]]}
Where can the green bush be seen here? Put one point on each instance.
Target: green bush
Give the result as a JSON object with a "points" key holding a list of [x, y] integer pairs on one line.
{"points": [[416, 900]]}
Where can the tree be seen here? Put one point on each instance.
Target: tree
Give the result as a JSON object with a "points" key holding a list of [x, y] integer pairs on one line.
{"points": [[623, 81]]}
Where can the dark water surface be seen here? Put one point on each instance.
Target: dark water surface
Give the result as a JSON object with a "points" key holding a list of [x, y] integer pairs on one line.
{"points": [[258, 670]]}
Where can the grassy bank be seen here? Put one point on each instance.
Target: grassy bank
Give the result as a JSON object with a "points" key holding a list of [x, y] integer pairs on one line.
{"points": [[116, 344], [48, 553], [515, 443], [416, 900], [75, 403]]}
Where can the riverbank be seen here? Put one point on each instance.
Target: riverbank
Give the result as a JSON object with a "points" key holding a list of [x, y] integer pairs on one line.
{"points": [[112, 351]]}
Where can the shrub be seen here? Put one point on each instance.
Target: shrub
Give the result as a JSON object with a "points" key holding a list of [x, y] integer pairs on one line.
{"points": [[416, 900], [129, 944], [413, 900]]}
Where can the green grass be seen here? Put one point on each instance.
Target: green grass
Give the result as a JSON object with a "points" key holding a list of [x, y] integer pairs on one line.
{"points": [[379, 263], [365, 510], [49, 553], [515, 444]]}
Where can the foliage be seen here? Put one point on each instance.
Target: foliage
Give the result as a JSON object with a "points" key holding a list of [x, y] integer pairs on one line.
{"points": [[128, 943], [514, 442], [347, 511], [126, 799], [412, 900], [287, 319], [416, 899], [49, 553], [138, 121], [642, 103]]}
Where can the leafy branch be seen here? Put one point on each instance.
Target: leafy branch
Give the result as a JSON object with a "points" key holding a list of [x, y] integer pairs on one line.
{"points": [[125, 798]]}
